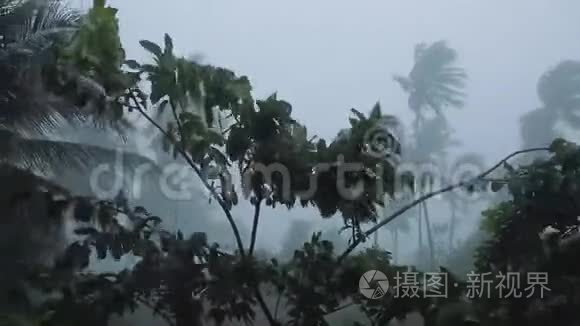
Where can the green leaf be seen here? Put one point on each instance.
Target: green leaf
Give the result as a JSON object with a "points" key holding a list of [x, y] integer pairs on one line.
{"points": [[149, 68], [496, 186], [156, 92], [300, 133], [470, 188], [509, 168], [214, 137], [151, 47], [359, 115], [353, 122], [161, 107], [237, 143], [192, 124], [558, 146], [516, 186], [218, 157], [168, 44], [133, 64], [376, 112]]}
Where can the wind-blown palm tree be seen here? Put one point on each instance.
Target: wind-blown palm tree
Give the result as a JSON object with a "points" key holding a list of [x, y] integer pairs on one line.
{"points": [[434, 83], [559, 90], [29, 32], [559, 93], [32, 32], [400, 225], [33, 35]]}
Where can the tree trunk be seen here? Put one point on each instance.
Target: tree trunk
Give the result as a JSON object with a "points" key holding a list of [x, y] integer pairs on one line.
{"points": [[452, 226], [396, 246], [420, 231], [376, 239], [429, 236]]}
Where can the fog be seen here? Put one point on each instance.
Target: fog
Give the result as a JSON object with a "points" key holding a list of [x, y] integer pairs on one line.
{"points": [[326, 57]]}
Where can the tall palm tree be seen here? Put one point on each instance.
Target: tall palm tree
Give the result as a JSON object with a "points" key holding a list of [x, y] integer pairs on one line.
{"points": [[33, 32], [400, 225], [457, 203], [434, 83], [559, 92]]}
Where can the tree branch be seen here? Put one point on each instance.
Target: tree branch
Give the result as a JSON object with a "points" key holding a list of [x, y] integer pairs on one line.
{"points": [[265, 309], [344, 306], [168, 319], [277, 305], [179, 125], [433, 194], [222, 204], [212, 191], [228, 129], [255, 226]]}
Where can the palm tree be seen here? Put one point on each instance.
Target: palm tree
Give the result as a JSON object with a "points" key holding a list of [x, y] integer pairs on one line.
{"points": [[32, 32], [456, 202], [29, 32], [559, 90], [559, 93], [400, 225], [434, 83]]}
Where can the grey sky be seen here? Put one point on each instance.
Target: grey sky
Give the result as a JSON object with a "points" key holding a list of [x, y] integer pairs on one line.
{"points": [[327, 56]]}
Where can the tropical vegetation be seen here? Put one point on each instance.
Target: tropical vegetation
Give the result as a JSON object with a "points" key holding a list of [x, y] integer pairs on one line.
{"points": [[61, 69]]}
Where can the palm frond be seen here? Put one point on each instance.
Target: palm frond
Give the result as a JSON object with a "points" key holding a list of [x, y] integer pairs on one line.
{"points": [[34, 111], [51, 155], [36, 21], [404, 82], [28, 65], [30, 28], [434, 137], [434, 81]]}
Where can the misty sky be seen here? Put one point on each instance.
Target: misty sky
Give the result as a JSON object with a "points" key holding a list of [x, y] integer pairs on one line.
{"points": [[327, 56]]}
